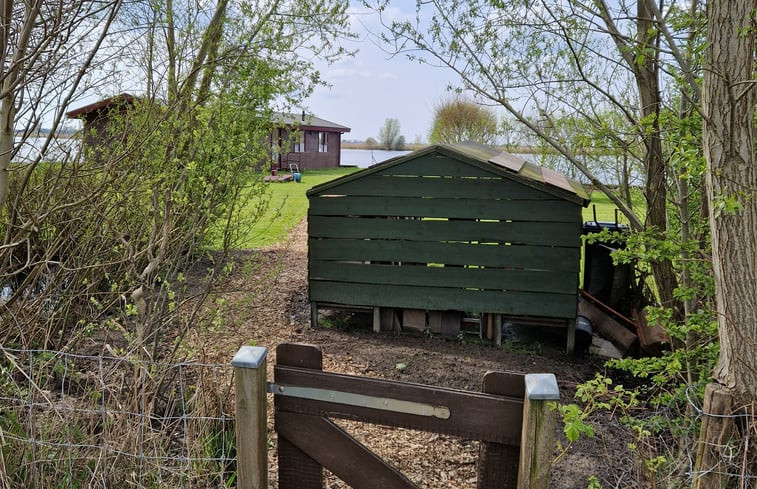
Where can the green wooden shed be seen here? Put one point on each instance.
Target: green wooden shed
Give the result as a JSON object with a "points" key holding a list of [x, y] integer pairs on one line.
{"points": [[459, 227]]}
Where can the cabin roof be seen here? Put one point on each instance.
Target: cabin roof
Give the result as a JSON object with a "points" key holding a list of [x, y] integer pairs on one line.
{"points": [[123, 98], [485, 157], [309, 122]]}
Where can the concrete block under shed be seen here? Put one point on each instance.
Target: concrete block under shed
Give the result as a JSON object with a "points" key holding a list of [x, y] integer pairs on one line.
{"points": [[390, 319], [435, 321], [451, 321], [414, 319], [446, 323]]}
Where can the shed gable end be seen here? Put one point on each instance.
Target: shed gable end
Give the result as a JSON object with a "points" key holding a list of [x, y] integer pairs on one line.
{"points": [[435, 231]]}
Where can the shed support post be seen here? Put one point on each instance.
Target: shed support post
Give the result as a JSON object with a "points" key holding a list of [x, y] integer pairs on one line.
{"points": [[251, 419], [498, 329], [313, 315], [571, 343], [376, 319], [538, 432]]}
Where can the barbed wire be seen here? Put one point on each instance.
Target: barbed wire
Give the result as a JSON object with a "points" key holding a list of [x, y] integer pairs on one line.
{"points": [[734, 459], [700, 411]]}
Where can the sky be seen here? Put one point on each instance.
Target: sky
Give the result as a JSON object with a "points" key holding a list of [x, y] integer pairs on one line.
{"points": [[373, 86]]}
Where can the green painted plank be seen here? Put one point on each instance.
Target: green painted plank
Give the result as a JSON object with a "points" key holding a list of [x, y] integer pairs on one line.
{"points": [[537, 233], [515, 210], [525, 257], [437, 165], [449, 276], [440, 299], [472, 188]]}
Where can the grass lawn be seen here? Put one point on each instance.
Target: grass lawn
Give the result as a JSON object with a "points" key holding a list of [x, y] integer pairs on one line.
{"points": [[606, 209], [287, 206]]}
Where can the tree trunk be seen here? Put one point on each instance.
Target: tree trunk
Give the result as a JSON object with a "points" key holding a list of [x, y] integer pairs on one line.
{"points": [[655, 190], [728, 103], [7, 119], [7, 103]]}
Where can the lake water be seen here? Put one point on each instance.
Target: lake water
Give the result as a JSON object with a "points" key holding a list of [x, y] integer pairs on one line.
{"points": [[603, 169], [363, 158], [60, 149]]}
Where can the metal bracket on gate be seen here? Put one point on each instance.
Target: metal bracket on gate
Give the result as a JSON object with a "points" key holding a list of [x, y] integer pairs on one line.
{"points": [[351, 399]]}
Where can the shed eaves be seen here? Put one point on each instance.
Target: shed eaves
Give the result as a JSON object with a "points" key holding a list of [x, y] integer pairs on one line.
{"points": [[486, 157], [123, 98], [310, 121]]}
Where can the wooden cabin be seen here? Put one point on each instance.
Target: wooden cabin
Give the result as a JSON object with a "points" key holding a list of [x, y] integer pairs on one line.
{"points": [[97, 118], [459, 228], [307, 141]]}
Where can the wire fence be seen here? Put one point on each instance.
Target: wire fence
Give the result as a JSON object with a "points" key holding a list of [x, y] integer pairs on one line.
{"points": [[731, 460], [91, 421], [70, 420]]}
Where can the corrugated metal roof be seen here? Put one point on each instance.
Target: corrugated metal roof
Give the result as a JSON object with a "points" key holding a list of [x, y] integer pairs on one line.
{"points": [[522, 168], [557, 179], [511, 162]]}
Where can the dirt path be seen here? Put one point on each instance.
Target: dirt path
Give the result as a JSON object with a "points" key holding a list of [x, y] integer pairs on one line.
{"points": [[268, 305]]}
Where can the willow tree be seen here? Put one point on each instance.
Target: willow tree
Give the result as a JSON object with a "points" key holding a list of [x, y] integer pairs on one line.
{"points": [[389, 135], [543, 61], [458, 119]]}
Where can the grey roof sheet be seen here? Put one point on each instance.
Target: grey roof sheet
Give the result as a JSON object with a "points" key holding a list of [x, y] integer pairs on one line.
{"points": [[308, 121]]}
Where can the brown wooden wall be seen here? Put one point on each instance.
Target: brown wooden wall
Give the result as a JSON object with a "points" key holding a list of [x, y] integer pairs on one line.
{"points": [[311, 157], [437, 233]]}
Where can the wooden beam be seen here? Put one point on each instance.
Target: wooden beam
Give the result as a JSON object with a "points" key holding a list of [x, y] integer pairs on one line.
{"points": [[297, 470], [524, 232], [471, 413], [327, 444], [509, 302], [606, 326]]}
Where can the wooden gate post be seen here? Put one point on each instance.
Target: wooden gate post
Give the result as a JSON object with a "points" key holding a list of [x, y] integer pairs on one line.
{"points": [[538, 435], [251, 418], [497, 462]]}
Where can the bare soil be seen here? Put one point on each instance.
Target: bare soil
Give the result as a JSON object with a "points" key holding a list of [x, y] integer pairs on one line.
{"points": [[265, 303]]}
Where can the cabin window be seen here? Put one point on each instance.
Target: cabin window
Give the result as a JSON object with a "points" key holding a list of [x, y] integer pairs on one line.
{"points": [[323, 145], [298, 142]]}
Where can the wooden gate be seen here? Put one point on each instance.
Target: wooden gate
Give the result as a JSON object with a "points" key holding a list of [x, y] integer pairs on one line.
{"points": [[510, 418]]}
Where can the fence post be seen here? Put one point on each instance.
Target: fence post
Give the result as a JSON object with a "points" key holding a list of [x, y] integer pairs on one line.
{"points": [[538, 435], [251, 417], [497, 462]]}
